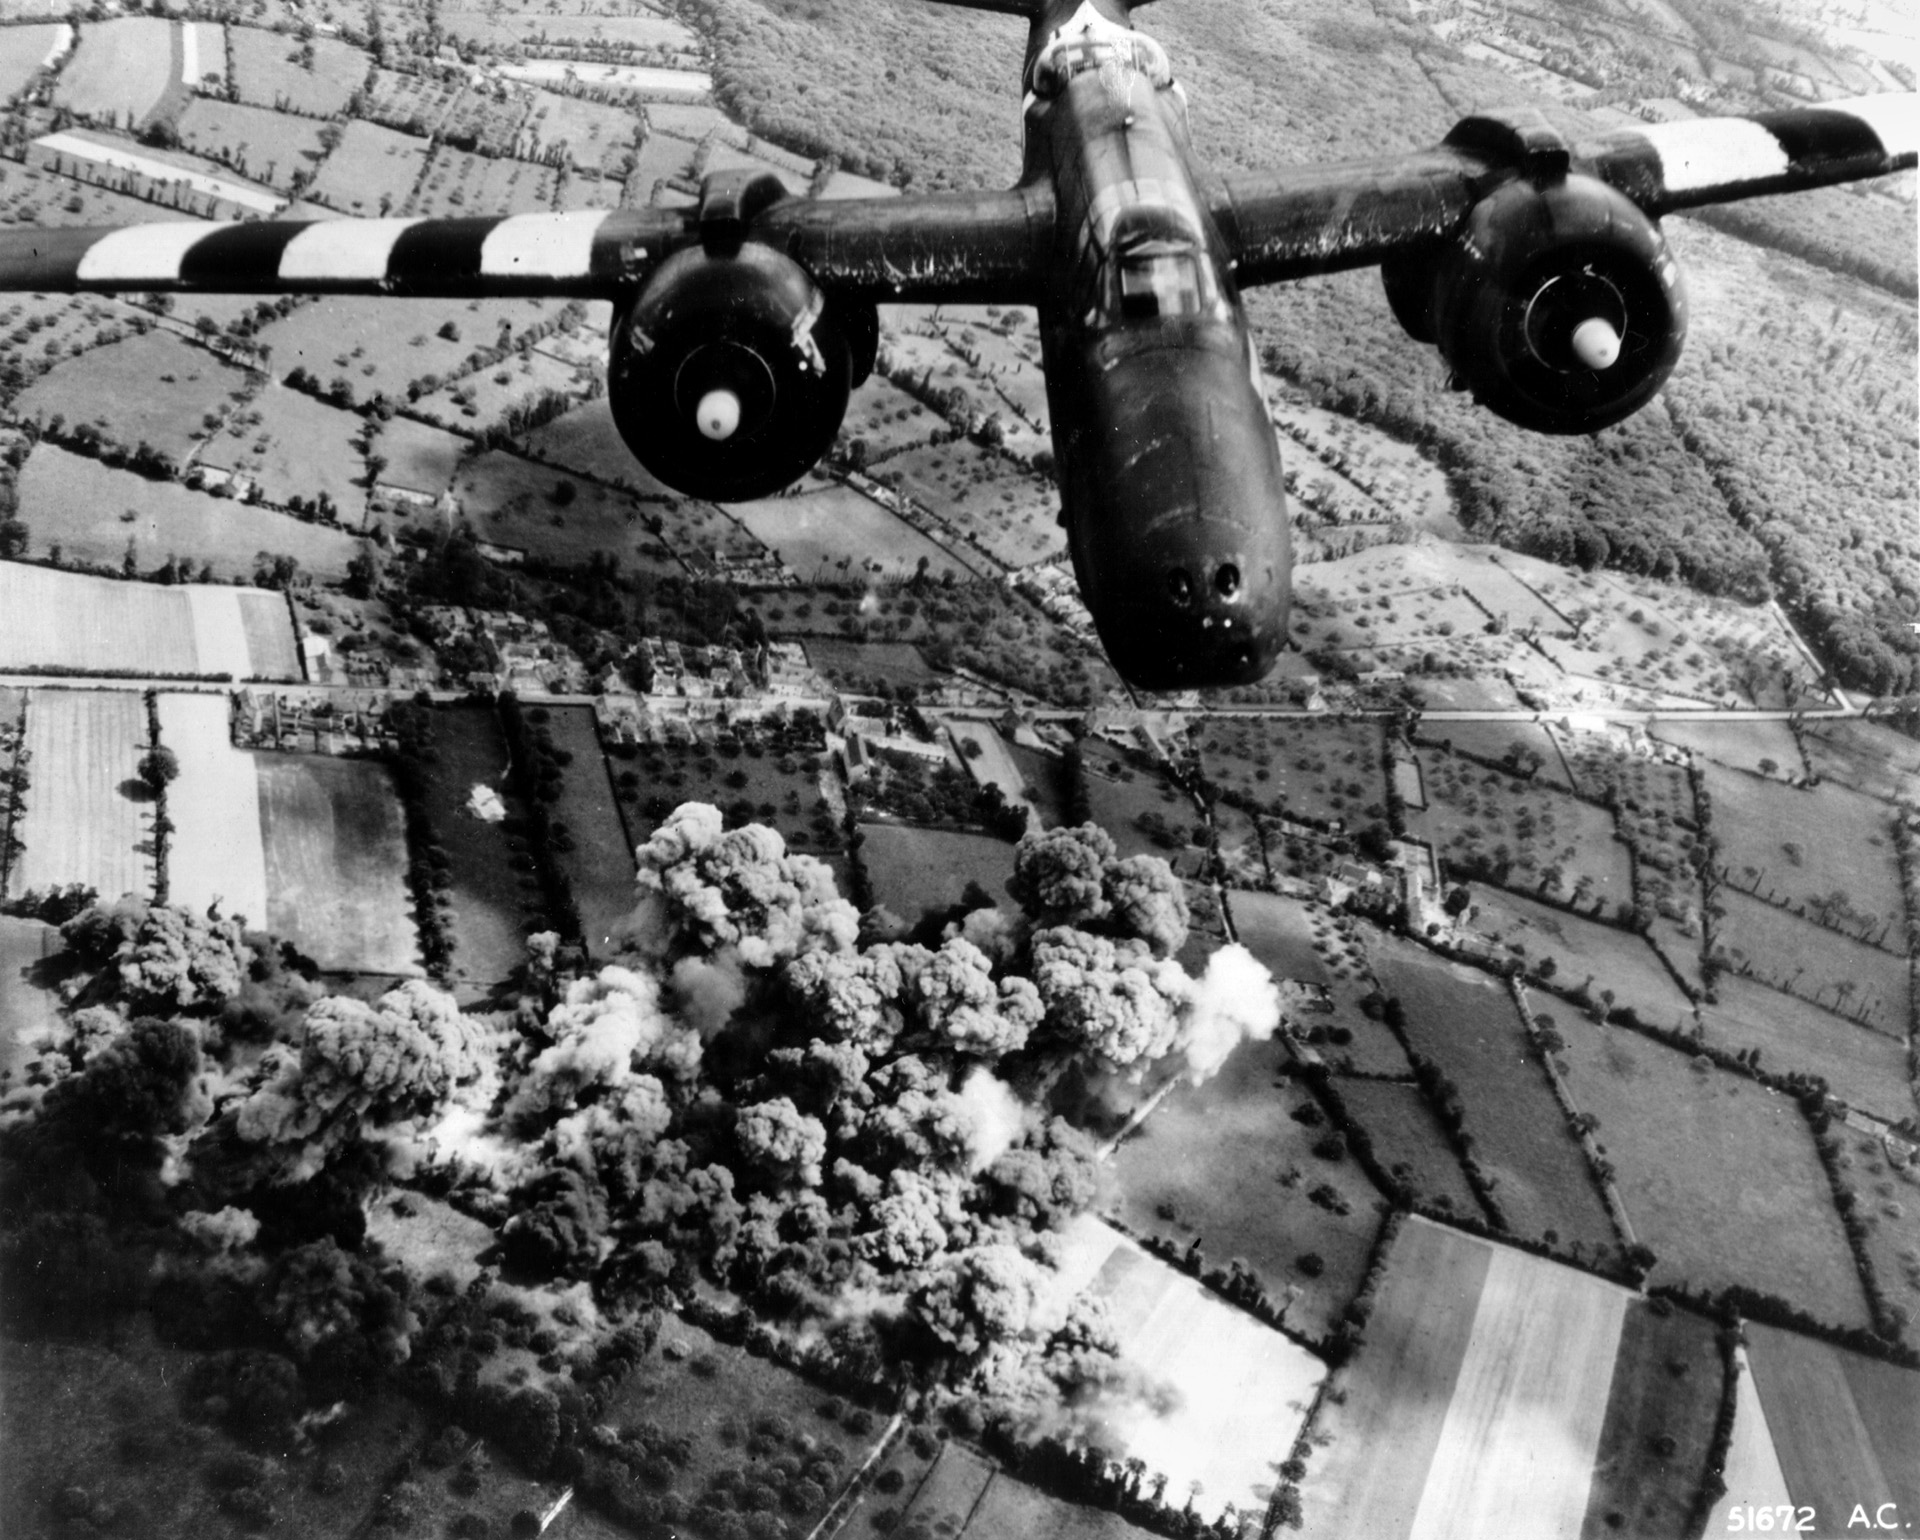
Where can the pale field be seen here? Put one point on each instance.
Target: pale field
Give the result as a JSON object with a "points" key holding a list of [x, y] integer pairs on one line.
{"points": [[1516, 1450], [336, 862], [1752, 1473], [456, 182], [1366, 1483], [1243, 1388], [1843, 1426], [73, 620], [301, 448], [154, 387], [217, 852], [261, 143], [814, 532], [23, 50], [384, 345], [122, 66], [28, 1014], [372, 171], [70, 620], [83, 822], [265, 75], [1475, 1407]]}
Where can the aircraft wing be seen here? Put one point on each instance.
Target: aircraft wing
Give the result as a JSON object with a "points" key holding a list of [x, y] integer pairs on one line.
{"points": [[1297, 222], [947, 247]]}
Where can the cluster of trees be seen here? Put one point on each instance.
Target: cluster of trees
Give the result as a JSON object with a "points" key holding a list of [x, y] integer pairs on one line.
{"points": [[538, 776], [910, 788], [429, 867]]}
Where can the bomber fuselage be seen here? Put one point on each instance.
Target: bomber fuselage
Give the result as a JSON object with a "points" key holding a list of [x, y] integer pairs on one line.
{"points": [[1169, 472]]}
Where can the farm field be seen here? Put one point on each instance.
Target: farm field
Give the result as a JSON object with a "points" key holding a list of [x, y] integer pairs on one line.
{"points": [[1477, 1403], [1845, 1426], [454, 182], [1718, 1175], [1737, 745], [1617, 961], [265, 73], [120, 67], [1041, 776], [1667, 1381], [600, 865], [28, 1013], [814, 532], [597, 138], [87, 818], [1468, 1025], [886, 419], [385, 345], [1310, 770], [913, 871], [1752, 1474], [69, 619], [1520, 834], [372, 172], [119, 388], [1888, 1202], [964, 1497], [301, 448], [270, 146], [863, 665], [585, 440], [217, 852], [485, 398], [1864, 755], [1409, 1141], [1830, 849], [1241, 1388], [77, 504], [1315, 947], [1522, 745], [336, 862], [1145, 813], [511, 503], [419, 458], [23, 50], [780, 787], [1229, 1164], [1780, 949], [1863, 1068], [494, 906], [990, 764]]}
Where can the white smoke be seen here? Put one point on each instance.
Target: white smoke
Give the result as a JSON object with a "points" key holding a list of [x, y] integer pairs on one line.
{"points": [[1234, 1001], [996, 1118], [708, 990]]}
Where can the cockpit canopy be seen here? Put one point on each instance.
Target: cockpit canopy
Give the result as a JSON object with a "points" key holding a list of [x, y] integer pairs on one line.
{"points": [[1065, 57], [1155, 268]]}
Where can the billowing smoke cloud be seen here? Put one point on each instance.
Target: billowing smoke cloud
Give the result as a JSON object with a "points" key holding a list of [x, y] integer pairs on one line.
{"points": [[1234, 1001], [995, 1119]]}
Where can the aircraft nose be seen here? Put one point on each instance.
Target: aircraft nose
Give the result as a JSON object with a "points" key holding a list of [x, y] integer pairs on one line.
{"points": [[1203, 624]]}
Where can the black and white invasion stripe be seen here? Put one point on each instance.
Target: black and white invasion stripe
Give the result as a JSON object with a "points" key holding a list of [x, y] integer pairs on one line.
{"points": [[1713, 160], [586, 253]]}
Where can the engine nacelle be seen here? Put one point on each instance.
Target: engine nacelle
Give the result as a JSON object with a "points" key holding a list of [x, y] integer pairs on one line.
{"points": [[1559, 306], [729, 374]]}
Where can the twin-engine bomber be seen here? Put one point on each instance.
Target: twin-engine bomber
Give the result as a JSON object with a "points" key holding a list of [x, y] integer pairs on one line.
{"points": [[1536, 267]]}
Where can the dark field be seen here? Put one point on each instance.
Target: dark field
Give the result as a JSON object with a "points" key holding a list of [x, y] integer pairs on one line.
{"points": [[1228, 1165], [600, 865], [495, 895], [1468, 1025]]}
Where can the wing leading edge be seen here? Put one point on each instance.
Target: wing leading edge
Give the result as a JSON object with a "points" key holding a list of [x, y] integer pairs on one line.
{"points": [[940, 247], [1321, 219]]}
